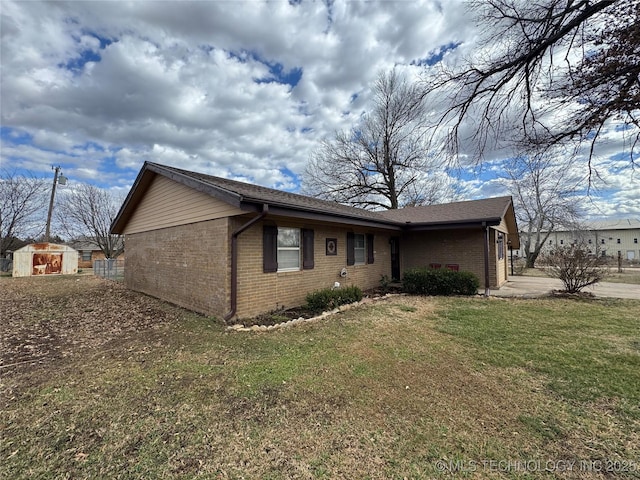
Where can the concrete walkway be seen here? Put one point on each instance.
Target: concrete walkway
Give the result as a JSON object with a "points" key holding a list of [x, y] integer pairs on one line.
{"points": [[531, 287]]}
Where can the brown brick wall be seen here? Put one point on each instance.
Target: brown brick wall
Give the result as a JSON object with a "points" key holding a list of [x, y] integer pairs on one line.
{"points": [[95, 255], [260, 292], [187, 265], [463, 247]]}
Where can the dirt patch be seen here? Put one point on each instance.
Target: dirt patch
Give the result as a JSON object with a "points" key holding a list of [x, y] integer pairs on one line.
{"points": [[44, 319]]}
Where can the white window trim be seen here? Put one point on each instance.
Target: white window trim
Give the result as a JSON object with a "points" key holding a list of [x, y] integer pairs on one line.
{"points": [[356, 249]]}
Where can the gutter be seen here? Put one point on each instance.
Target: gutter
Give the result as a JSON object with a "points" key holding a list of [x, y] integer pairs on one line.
{"points": [[234, 261], [487, 278]]}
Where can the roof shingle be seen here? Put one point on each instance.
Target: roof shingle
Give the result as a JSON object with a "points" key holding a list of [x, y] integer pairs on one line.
{"points": [[241, 193], [256, 193], [484, 209]]}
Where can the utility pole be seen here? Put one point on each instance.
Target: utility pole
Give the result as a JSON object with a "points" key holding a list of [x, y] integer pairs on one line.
{"points": [[57, 178]]}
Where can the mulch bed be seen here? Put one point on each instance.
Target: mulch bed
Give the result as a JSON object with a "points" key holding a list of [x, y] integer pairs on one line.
{"points": [[285, 315]]}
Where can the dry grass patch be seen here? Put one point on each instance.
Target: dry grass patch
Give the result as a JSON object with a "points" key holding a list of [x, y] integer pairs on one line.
{"points": [[629, 275]]}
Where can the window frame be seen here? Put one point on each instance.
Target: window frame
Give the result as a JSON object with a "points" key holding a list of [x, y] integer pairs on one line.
{"points": [[270, 248], [357, 249], [367, 249], [283, 248]]}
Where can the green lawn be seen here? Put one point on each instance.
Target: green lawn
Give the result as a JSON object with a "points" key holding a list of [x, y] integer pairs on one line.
{"points": [[404, 388]]}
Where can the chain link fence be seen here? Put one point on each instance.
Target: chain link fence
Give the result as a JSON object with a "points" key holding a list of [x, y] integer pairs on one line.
{"points": [[6, 265], [110, 268]]}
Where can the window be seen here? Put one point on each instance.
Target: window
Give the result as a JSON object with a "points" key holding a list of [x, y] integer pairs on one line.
{"points": [[589, 241], [618, 241], [359, 249], [86, 255], [635, 240], [550, 242], [602, 241], [288, 256], [500, 246], [561, 242], [283, 248]]}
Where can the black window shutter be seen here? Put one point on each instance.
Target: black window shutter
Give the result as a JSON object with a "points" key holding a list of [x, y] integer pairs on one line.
{"points": [[370, 248], [307, 249], [351, 254], [270, 249]]}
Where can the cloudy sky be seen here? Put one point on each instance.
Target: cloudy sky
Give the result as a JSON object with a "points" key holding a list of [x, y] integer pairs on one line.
{"points": [[244, 90]]}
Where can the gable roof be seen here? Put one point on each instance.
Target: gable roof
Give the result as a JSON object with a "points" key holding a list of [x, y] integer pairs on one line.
{"points": [[84, 244], [250, 193], [251, 198], [487, 210]]}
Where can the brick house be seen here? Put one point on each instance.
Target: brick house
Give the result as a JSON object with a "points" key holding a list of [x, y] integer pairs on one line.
{"points": [[232, 249], [88, 252]]}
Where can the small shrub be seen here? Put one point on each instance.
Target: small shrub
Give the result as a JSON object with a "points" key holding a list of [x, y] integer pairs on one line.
{"points": [[576, 267], [328, 298], [428, 281], [385, 283]]}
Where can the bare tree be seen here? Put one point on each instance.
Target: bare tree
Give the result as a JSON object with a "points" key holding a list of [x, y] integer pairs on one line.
{"points": [[22, 204], [382, 162], [546, 73], [544, 197], [575, 267], [87, 212]]}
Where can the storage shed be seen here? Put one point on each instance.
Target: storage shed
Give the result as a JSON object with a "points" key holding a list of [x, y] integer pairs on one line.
{"points": [[45, 259]]}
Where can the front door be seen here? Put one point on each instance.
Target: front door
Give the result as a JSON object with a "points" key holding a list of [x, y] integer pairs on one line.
{"points": [[395, 258]]}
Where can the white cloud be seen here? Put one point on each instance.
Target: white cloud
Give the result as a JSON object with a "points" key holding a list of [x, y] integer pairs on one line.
{"points": [[99, 89]]}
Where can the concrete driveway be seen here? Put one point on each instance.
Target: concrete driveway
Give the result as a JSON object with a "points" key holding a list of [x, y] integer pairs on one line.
{"points": [[531, 287]]}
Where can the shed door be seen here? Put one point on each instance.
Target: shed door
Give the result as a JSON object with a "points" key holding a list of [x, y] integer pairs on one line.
{"points": [[46, 263]]}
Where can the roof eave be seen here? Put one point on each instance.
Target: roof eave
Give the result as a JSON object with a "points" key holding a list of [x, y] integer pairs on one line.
{"points": [[136, 192], [220, 193], [309, 214], [143, 180], [453, 224]]}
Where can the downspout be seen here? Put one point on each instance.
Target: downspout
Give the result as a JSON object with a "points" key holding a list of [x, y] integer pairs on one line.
{"points": [[487, 279], [234, 261]]}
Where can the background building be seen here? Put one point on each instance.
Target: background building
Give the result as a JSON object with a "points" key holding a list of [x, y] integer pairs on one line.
{"points": [[606, 238]]}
